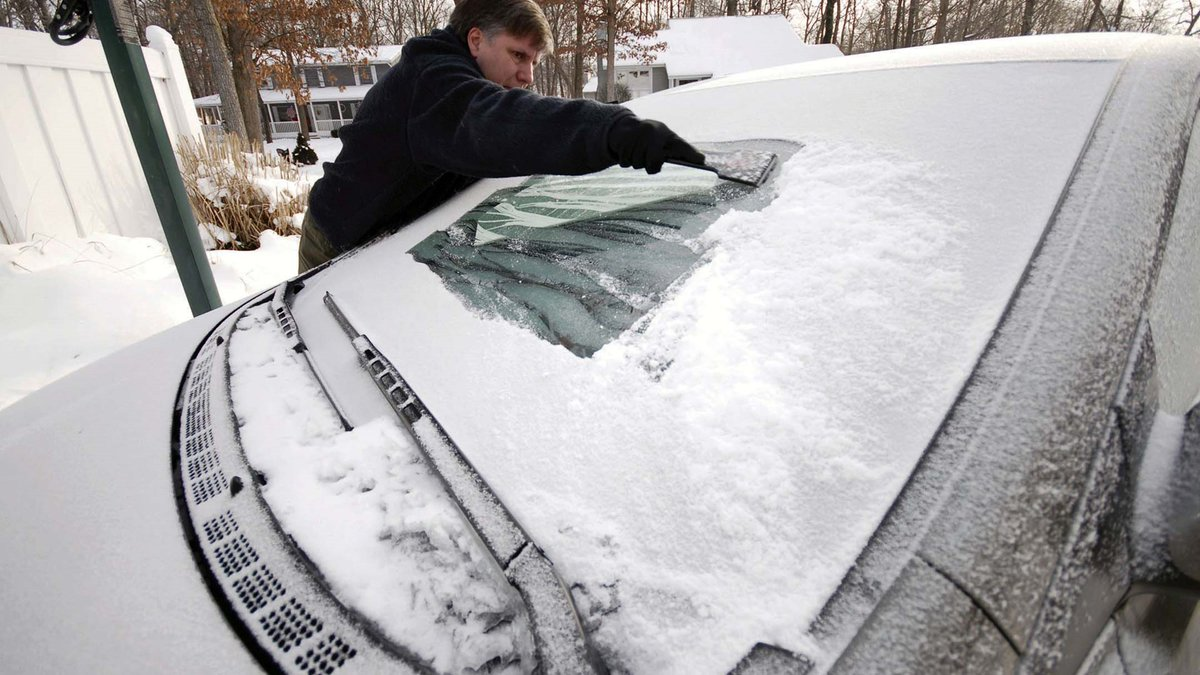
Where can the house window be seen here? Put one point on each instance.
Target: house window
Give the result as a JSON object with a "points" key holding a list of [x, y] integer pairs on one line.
{"points": [[364, 75], [340, 76], [349, 109], [324, 111], [380, 70], [313, 78], [284, 112]]}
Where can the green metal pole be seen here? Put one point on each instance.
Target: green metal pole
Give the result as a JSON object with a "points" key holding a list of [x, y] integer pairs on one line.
{"points": [[123, 51]]}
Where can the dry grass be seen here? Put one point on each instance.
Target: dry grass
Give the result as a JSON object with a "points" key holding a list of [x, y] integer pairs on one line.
{"points": [[225, 180]]}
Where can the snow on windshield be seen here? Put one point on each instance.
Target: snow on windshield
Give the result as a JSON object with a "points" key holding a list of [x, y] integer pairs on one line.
{"points": [[374, 519], [705, 480]]}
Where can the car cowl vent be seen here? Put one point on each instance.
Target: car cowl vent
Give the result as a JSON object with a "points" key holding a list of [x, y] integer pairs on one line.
{"points": [[268, 590]]}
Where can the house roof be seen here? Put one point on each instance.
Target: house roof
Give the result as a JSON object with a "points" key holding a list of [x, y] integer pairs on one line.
{"points": [[315, 95], [373, 54], [722, 45]]}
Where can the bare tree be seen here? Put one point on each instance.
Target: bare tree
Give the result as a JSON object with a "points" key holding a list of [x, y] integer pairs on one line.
{"points": [[214, 44], [26, 14]]}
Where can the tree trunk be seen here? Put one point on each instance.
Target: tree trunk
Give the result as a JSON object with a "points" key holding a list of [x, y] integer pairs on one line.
{"points": [[246, 84], [898, 25], [1097, 14], [1027, 18], [266, 120], [610, 74], [827, 23], [939, 31], [910, 37], [879, 36], [577, 84], [731, 7], [966, 31], [218, 56], [1117, 18]]}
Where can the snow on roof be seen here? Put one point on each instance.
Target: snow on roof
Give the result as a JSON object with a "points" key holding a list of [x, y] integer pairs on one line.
{"points": [[315, 95], [723, 45], [373, 54]]}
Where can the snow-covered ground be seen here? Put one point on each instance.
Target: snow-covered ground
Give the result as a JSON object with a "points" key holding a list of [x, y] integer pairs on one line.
{"points": [[67, 302]]}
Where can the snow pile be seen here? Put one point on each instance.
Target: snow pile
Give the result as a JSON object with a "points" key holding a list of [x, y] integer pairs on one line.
{"points": [[371, 515], [68, 302], [745, 464]]}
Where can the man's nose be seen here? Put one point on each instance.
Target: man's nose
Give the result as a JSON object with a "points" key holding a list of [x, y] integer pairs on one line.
{"points": [[525, 74]]}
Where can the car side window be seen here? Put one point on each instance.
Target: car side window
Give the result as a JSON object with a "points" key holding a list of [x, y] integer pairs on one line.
{"points": [[1175, 307]]}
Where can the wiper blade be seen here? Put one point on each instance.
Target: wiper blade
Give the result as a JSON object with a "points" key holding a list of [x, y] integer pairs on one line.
{"points": [[558, 635]]}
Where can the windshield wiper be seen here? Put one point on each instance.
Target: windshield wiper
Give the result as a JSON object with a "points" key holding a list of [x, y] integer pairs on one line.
{"points": [[558, 635]]}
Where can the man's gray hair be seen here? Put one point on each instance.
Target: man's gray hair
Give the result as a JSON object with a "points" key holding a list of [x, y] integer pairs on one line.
{"points": [[519, 18]]}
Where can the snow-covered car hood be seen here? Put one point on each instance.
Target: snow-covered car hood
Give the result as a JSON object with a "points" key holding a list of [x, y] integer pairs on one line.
{"points": [[94, 559]]}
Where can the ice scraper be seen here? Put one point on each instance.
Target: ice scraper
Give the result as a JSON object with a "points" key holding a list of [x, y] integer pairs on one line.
{"points": [[748, 167]]}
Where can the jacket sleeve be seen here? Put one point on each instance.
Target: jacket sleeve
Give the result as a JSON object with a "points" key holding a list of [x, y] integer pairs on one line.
{"points": [[466, 124]]}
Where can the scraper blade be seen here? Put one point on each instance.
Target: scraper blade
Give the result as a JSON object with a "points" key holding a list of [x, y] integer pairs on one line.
{"points": [[748, 167]]}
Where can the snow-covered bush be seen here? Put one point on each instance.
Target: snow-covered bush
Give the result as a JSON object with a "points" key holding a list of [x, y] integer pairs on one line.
{"points": [[237, 192]]}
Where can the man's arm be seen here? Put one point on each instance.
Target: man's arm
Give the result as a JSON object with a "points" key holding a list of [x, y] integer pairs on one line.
{"points": [[464, 123]]}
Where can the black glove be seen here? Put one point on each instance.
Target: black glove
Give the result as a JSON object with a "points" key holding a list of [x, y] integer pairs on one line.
{"points": [[646, 144]]}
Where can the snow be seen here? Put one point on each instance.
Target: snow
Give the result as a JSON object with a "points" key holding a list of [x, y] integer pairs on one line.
{"points": [[68, 302], [58, 294], [713, 47], [704, 481], [370, 514], [719, 46]]}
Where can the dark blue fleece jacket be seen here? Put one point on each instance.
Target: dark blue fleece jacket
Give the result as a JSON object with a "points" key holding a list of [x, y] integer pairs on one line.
{"points": [[432, 126]]}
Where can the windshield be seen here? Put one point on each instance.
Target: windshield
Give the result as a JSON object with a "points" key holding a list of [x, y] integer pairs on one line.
{"points": [[578, 260]]}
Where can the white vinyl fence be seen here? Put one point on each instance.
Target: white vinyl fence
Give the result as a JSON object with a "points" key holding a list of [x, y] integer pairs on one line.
{"points": [[67, 162]]}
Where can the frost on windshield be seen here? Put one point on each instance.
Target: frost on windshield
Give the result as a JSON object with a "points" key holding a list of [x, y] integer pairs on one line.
{"points": [[579, 259]]}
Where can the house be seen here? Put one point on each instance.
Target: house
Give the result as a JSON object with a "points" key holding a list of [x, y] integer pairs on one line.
{"points": [[335, 90], [704, 48]]}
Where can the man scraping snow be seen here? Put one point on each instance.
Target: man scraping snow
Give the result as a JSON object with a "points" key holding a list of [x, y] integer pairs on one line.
{"points": [[456, 109]]}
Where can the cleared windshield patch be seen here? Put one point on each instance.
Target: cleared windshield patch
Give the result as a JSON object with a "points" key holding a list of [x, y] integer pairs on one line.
{"points": [[579, 259]]}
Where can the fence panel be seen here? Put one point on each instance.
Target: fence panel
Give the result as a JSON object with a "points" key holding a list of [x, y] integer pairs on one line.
{"points": [[67, 162]]}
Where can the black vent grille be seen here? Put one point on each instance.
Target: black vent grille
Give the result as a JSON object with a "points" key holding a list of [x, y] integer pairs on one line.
{"points": [[198, 416], [210, 487], [285, 322], [201, 465], [330, 654], [258, 589], [220, 527], [290, 625], [236, 555], [200, 443]]}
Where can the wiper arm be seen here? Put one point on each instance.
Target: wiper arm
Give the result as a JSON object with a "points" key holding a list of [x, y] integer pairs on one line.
{"points": [[558, 635]]}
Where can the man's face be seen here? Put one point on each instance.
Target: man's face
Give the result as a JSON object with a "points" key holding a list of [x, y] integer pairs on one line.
{"points": [[506, 60]]}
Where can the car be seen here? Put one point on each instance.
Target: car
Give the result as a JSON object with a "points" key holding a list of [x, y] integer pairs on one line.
{"points": [[923, 401]]}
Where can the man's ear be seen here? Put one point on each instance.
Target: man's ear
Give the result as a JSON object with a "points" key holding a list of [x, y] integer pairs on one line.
{"points": [[474, 40]]}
